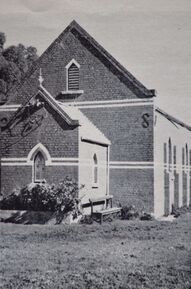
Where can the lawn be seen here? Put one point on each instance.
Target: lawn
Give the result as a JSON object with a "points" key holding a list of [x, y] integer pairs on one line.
{"points": [[120, 254]]}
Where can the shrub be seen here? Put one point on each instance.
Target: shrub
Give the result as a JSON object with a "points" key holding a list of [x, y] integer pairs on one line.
{"points": [[67, 201], [129, 213], [146, 217], [179, 211], [86, 219], [11, 202], [37, 197], [61, 198]]}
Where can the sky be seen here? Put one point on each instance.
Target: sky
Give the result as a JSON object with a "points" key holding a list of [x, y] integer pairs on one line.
{"points": [[151, 38]]}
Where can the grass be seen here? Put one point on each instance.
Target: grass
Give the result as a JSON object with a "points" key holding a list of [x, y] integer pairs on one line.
{"points": [[121, 254]]}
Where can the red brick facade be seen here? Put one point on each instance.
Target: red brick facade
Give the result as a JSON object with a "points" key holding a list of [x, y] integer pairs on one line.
{"points": [[128, 127]]}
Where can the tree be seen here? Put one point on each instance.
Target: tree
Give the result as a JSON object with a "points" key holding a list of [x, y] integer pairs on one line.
{"points": [[2, 41], [15, 61]]}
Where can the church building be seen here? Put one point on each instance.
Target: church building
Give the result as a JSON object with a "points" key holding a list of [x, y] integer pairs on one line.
{"points": [[80, 113]]}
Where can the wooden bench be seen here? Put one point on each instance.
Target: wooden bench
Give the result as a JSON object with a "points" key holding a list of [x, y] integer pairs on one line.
{"points": [[105, 212], [106, 201]]}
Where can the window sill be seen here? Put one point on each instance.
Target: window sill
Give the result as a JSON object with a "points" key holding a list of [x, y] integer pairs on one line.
{"points": [[94, 186], [40, 181], [71, 92]]}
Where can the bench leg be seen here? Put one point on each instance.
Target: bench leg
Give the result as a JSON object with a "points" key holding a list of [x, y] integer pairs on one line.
{"points": [[101, 219]]}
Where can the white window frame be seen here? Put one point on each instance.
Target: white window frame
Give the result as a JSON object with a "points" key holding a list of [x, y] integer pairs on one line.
{"points": [[34, 167], [31, 156], [73, 61], [94, 166]]}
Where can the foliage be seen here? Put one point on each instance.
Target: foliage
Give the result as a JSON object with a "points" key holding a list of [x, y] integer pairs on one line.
{"points": [[15, 61], [66, 195], [86, 219], [146, 217], [129, 213], [177, 212], [61, 198], [2, 40]]}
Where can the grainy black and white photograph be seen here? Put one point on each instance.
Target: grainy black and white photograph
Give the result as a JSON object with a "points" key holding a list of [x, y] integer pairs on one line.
{"points": [[95, 144]]}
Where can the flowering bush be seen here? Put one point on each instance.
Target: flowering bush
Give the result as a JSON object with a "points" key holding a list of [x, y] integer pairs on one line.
{"points": [[61, 198], [67, 201]]}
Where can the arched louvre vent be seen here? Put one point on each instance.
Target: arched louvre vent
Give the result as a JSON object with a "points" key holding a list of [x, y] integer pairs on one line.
{"points": [[73, 77]]}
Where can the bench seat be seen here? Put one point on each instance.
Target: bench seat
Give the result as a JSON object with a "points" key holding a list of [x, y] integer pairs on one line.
{"points": [[105, 212]]}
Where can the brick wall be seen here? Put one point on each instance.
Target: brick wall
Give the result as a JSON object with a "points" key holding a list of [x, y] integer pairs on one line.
{"points": [[133, 187], [59, 139], [98, 78], [123, 126], [16, 177]]}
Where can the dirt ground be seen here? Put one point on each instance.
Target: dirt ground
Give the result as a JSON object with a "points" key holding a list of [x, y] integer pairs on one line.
{"points": [[120, 254]]}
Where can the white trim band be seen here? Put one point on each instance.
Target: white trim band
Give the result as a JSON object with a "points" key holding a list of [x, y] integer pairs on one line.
{"points": [[132, 167], [111, 103], [10, 107]]}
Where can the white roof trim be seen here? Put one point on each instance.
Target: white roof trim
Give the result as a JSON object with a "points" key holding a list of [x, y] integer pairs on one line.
{"points": [[73, 61]]}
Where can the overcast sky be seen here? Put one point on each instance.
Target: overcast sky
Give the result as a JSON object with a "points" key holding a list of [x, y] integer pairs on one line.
{"points": [[151, 38]]}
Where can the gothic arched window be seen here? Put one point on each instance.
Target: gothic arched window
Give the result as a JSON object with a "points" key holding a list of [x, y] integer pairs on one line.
{"points": [[186, 154], [39, 167], [95, 170], [169, 153]]}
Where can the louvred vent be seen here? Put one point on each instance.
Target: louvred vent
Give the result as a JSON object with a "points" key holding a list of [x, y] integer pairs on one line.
{"points": [[73, 77]]}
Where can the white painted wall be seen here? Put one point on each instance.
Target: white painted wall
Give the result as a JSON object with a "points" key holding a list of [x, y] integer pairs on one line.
{"points": [[86, 153], [163, 129]]}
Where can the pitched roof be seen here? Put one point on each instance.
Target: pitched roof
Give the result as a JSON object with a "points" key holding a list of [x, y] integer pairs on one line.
{"points": [[50, 99], [89, 131], [103, 53], [172, 118], [73, 116], [76, 29]]}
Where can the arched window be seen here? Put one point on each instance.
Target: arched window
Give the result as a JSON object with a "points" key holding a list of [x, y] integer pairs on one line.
{"points": [[169, 153], [39, 167], [174, 155], [183, 157], [73, 75], [95, 170], [186, 154], [165, 153]]}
